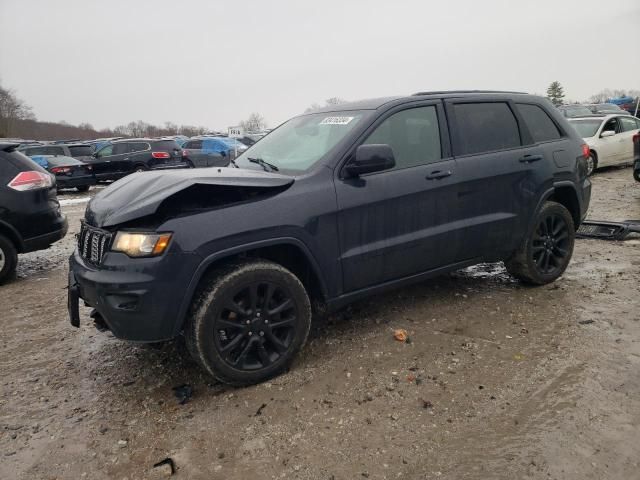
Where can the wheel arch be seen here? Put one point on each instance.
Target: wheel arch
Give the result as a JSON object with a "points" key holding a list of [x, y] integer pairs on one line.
{"points": [[566, 195], [12, 234], [289, 252]]}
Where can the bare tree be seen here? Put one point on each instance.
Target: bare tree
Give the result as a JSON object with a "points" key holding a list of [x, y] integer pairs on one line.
{"points": [[254, 123], [11, 110], [327, 103]]}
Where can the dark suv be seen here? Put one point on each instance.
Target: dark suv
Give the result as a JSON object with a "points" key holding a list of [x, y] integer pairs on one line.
{"points": [[30, 217], [81, 151], [331, 207], [122, 157]]}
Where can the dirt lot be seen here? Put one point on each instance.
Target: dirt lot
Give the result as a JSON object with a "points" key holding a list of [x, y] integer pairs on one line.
{"points": [[498, 381]]}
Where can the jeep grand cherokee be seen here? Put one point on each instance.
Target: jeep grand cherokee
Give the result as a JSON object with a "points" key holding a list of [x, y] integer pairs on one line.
{"points": [[330, 207]]}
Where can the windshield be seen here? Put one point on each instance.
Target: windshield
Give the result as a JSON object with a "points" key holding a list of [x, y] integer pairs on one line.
{"points": [[577, 111], [608, 107], [299, 143], [586, 128]]}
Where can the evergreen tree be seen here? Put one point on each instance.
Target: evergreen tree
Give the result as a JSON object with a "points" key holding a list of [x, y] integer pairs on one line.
{"points": [[555, 93]]}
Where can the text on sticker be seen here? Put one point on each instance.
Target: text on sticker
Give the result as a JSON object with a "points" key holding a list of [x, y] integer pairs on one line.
{"points": [[336, 120]]}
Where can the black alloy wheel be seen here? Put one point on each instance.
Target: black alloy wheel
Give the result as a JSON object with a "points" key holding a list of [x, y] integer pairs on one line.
{"points": [[256, 326], [550, 246]]}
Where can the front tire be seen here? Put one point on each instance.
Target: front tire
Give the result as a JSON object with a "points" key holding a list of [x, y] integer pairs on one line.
{"points": [[545, 253], [83, 188], [248, 322], [8, 259]]}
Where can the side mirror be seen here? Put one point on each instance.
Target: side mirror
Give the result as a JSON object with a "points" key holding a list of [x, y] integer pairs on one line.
{"points": [[371, 158], [607, 133]]}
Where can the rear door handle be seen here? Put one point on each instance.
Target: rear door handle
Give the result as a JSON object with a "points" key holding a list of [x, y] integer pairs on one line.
{"points": [[438, 174], [530, 158]]}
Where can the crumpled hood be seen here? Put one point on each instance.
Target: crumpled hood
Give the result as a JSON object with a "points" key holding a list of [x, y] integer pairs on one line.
{"points": [[140, 194]]}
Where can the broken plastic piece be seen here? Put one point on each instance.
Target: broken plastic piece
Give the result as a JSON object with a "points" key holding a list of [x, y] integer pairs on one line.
{"points": [[608, 230]]}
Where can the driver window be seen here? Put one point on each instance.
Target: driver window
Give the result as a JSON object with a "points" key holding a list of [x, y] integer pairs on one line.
{"points": [[413, 135], [610, 126]]}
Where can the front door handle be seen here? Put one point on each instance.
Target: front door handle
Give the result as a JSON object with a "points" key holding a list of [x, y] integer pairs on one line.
{"points": [[438, 174], [530, 158]]}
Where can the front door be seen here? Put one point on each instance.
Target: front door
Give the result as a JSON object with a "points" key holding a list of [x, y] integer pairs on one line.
{"points": [[394, 224]]}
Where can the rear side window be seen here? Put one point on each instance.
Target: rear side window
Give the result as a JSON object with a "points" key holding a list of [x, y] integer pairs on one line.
{"points": [[485, 127], [629, 124], [53, 151], [194, 144], [120, 148], [165, 145], [539, 123], [413, 135], [81, 151], [34, 151], [138, 147]]}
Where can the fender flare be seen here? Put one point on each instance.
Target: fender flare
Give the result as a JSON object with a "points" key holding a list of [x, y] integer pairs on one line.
{"points": [[230, 252], [545, 196]]}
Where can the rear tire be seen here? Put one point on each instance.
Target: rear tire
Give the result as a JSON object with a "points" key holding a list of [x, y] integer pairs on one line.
{"points": [[248, 322], [546, 251], [8, 259], [83, 189], [140, 168]]}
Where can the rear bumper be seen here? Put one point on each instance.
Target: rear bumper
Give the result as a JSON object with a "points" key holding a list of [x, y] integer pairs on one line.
{"points": [[42, 242], [72, 182], [139, 299], [171, 166]]}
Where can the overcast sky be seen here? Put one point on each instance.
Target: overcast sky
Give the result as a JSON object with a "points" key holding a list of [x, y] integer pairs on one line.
{"points": [[212, 63]]}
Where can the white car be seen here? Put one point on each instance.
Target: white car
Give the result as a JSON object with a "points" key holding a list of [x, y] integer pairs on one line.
{"points": [[610, 139]]}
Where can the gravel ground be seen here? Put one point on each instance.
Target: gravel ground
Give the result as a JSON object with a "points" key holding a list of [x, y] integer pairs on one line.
{"points": [[498, 381]]}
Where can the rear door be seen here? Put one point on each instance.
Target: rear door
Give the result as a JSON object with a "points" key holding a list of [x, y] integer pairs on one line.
{"points": [[194, 153], [629, 126], [498, 177], [395, 223]]}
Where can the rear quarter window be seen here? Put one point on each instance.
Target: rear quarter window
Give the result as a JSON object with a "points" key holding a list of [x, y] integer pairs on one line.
{"points": [[166, 145], [540, 125], [485, 127], [81, 151]]}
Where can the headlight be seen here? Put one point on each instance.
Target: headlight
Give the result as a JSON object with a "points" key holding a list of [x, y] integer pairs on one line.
{"points": [[141, 244]]}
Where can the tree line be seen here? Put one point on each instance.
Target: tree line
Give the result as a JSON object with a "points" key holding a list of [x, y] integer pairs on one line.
{"points": [[18, 121]]}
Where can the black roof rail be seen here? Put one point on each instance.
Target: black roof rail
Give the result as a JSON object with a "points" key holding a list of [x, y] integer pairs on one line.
{"points": [[444, 92]]}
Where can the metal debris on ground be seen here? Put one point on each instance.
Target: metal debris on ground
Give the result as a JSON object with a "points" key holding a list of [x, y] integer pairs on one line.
{"points": [[183, 393], [586, 322], [608, 230]]}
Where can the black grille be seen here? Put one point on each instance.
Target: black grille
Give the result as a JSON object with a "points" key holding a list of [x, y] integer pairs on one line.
{"points": [[93, 243]]}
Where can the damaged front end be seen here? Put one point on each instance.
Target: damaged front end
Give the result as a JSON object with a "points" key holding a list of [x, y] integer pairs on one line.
{"points": [[134, 261]]}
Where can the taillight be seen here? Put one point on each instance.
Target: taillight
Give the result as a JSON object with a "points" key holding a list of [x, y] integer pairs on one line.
{"points": [[636, 138], [59, 170], [30, 180], [160, 155], [185, 153], [585, 151]]}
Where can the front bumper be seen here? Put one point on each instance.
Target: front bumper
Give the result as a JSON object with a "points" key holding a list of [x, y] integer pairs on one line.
{"points": [[139, 299]]}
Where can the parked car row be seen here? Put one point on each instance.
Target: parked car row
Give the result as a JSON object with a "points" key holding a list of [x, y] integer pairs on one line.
{"points": [[578, 110], [112, 159]]}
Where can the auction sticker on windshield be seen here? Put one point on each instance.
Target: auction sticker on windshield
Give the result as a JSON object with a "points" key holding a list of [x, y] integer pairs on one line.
{"points": [[336, 120]]}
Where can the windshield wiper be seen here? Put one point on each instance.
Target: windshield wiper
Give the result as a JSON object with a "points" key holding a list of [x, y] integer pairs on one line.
{"points": [[233, 162], [264, 164]]}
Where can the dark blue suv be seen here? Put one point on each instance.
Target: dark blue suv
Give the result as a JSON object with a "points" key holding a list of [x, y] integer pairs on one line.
{"points": [[330, 207]]}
